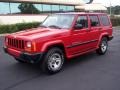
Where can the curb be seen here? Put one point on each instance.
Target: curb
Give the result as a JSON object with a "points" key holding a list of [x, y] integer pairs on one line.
{"points": [[116, 27], [1, 35]]}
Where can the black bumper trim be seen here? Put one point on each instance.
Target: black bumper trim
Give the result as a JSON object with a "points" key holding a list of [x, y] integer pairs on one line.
{"points": [[34, 58], [5, 49], [110, 38]]}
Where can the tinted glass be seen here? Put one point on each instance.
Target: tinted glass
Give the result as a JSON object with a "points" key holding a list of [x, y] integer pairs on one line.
{"points": [[55, 7], [46, 7], [83, 21], [70, 8], [31, 8], [104, 20], [63, 8], [4, 8], [94, 21], [38, 7], [15, 8]]}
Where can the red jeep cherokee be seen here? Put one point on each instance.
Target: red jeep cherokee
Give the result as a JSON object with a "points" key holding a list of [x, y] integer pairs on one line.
{"points": [[60, 36]]}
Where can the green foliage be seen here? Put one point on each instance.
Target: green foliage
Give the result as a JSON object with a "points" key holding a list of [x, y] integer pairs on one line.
{"points": [[17, 27], [27, 8], [22, 26], [114, 10]]}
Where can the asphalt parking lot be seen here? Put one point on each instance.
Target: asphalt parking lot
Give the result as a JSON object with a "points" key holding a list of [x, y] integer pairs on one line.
{"points": [[87, 72]]}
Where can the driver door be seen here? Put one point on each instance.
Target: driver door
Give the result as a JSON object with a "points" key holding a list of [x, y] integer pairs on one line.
{"points": [[80, 36]]}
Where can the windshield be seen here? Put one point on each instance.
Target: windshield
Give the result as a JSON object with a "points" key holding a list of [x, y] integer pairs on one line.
{"points": [[58, 21]]}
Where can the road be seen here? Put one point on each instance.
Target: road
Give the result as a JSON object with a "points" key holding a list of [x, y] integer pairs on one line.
{"points": [[87, 72]]}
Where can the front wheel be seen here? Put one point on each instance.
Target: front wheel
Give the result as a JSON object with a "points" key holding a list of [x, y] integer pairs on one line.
{"points": [[103, 46], [53, 61]]}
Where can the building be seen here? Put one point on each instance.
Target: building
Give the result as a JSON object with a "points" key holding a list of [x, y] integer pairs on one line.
{"points": [[16, 11], [94, 7], [37, 6]]}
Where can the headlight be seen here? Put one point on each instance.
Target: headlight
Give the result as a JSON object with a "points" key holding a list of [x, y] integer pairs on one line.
{"points": [[28, 44]]}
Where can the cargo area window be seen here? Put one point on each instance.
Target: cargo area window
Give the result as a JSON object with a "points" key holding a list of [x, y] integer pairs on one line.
{"points": [[104, 20]]}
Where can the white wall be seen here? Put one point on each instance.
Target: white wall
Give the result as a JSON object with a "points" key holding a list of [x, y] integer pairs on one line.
{"points": [[12, 19]]}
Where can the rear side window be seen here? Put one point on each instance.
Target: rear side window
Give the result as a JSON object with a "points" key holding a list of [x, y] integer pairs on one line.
{"points": [[104, 20], [94, 21]]}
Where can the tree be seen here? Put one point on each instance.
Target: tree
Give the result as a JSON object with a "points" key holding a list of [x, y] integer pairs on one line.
{"points": [[115, 10], [26, 8]]}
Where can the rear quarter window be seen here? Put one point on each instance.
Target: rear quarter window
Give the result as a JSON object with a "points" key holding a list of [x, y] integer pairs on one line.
{"points": [[104, 20]]}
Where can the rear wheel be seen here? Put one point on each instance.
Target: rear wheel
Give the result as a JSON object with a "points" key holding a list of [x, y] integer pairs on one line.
{"points": [[53, 61], [103, 46]]}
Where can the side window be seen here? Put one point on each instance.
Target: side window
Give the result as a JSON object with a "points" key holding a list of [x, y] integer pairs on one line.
{"points": [[94, 21], [83, 21], [104, 20]]}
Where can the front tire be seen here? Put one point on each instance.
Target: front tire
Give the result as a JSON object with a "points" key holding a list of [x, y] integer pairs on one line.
{"points": [[53, 61], [103, 46]]}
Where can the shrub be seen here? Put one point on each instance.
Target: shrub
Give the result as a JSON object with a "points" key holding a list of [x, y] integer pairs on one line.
{"points": [[17, 27], [22, 26], [115, 21]]}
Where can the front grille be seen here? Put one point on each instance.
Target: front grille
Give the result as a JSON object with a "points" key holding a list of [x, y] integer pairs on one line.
{"points": [[16, 43]]}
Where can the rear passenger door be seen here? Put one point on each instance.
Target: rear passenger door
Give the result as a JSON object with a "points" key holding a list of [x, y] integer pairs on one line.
{"points": [[94, 32]]}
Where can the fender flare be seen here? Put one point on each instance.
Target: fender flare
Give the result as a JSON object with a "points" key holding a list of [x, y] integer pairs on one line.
{"points": [[101, 36], [47, 44]]}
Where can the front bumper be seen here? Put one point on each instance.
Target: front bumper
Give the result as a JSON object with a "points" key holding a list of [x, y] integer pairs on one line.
{"points": [[31, 58]]}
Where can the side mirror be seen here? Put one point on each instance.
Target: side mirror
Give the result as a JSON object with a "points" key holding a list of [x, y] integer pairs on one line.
{"points": [[78, 26]]}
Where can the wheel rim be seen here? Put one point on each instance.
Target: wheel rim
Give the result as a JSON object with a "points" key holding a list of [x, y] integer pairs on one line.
{"points": [[55, 61], [104, 46]]}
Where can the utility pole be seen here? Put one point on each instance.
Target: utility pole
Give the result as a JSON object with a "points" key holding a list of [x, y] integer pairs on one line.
{"points": [[110, 7]]}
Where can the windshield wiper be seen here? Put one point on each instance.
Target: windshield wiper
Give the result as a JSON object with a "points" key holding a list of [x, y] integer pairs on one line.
{"points": [[43, 26], [54, 26]]}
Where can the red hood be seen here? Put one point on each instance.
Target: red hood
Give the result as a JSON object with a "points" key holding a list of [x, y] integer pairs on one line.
{"points": [[39, 32]]}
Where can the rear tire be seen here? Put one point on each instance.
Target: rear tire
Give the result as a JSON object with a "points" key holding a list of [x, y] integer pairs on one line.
{"points": [[103, 46], [53, 61]]}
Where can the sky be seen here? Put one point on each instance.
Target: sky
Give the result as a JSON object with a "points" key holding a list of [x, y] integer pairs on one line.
{"points": [[107, 2]]}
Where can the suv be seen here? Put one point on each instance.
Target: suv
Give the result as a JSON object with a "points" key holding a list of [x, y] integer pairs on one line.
{"points": [[60, 37]]}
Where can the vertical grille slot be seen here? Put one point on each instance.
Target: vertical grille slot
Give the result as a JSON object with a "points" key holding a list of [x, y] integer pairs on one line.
{"points": [[16, 43], [22, 43]]}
